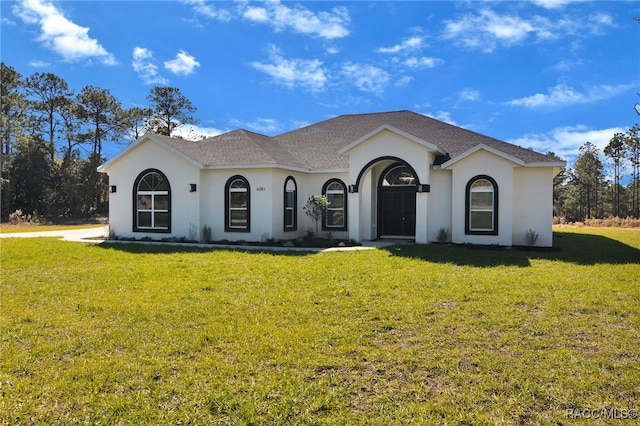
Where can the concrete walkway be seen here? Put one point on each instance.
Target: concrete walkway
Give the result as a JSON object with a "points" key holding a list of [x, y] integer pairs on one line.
{"points": [[94, 235], [99, 235]]}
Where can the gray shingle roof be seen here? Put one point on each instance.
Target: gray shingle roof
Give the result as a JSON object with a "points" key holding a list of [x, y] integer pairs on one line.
{"points": [[239, 147], [316, 146]]}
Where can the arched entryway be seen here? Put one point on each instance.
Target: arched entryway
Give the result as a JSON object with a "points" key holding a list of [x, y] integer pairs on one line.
{"points": [[397, 202]]}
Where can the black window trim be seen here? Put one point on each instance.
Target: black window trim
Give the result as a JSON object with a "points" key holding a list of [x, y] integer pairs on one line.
{"points": [[286, 227], [136, 182], [227, 211], [344, 209], [467, 206]]}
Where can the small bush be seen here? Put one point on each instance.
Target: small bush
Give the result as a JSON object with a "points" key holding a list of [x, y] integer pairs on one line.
{"points": [[18, 218], [443, 235], [530, 237], [614, 222], [206, 233], [193, 232]]}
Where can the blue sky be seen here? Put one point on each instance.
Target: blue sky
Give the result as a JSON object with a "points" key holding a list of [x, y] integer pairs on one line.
{"points": [[546, 74]]}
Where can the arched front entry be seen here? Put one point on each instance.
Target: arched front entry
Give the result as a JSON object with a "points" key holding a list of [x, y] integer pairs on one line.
{"points": [[397, 202]]}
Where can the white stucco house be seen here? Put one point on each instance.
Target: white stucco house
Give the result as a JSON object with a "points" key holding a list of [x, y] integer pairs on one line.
{"points": [[387, 175]]}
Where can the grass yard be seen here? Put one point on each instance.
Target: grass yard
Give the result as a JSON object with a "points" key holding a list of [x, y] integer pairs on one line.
{"points": [[131, 334], [10, 229]]}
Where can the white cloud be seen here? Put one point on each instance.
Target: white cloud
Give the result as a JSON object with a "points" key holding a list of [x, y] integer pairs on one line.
{"points": [[195, 133], [59, 34], [566, 141], [411, 44], [183, 64], [261, 125], [332, 50], [327, 25], [256, 14], [563, 95], [143, 64], [366, 78], [203, 8], [469, 95], [293, 72], [552, 4], [421, 62], [442, 116], [487, 30], [403, 81], [39, 64]]}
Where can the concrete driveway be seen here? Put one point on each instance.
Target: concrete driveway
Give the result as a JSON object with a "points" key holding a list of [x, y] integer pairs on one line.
{"points": [[97, 234]]}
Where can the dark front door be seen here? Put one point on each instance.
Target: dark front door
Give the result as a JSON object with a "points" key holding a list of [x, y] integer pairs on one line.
{"points": [[397, 211]]}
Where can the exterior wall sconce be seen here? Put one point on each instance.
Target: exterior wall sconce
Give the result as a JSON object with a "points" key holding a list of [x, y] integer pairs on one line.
{"points": [[424, 188], [192, 187], [112, 189], [352, 189]]}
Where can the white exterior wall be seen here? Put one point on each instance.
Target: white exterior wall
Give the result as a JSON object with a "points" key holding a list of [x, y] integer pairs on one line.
{"points": [[383, 144], [311, 184], [179, 172], [267, 203], [501, 170], [533, 204], [277, 196], [439, 203], [260, 199]]}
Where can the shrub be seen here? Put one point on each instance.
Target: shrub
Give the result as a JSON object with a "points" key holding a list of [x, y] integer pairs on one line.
{"points": [[316, 207], [530, 237], [443, 235], [17, 217], [206, 233], [193, 232]]}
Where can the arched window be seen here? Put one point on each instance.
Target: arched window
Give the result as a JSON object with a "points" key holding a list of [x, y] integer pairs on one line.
{"points": [[290, 204], [237, 205], [336, 217], [152, 202], [399, 175], [482, 206]]}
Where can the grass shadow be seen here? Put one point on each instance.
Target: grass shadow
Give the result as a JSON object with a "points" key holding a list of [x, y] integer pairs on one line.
{"points": [[577, 248], [171, 248]]}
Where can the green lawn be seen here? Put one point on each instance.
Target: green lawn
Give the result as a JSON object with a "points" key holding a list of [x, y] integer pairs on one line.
{"points": [[131, 334], [10, 229]]}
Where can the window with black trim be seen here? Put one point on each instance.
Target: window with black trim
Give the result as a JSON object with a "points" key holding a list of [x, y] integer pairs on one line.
{"points": [[151, 202], [237, 205], [481, 206], [335, 218], [290, 204]]}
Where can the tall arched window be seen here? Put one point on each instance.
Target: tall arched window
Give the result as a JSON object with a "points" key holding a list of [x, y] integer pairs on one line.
{"points": [[290, 204], [482, 206], [152, 202], [335, 218], [237, 205]]}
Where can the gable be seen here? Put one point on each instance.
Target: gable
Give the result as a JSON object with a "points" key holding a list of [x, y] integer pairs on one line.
{"points": [[383, 139], [476, 152], [145, 150]]}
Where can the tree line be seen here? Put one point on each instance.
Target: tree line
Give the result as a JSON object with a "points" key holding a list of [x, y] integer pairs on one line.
{"points": [[601, 184], [52, 140]]}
